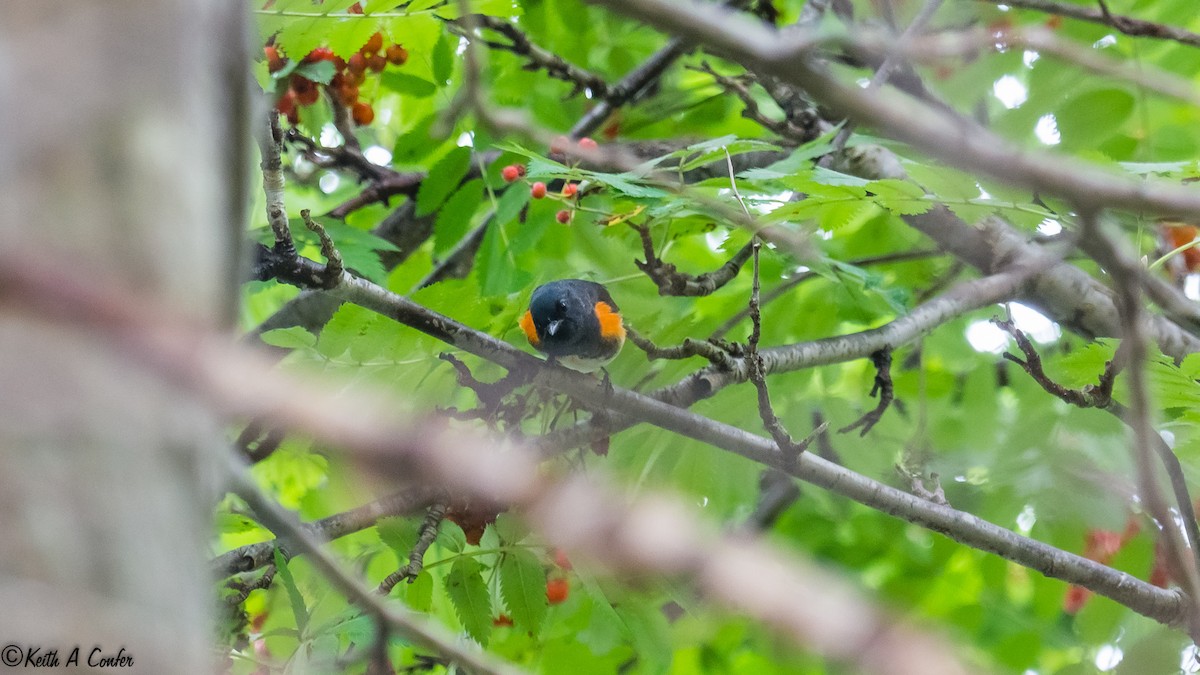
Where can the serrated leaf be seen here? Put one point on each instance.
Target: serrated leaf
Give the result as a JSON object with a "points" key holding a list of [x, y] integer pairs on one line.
{"points": [[1084, 365], [523, 587], [849, 216], [443, 179], [451, 536], [348, 324], [509, 205], [624, 183], [419, 594], [442, 63], [349, 35], [399, 534], [284, 574], [292, 337], [416, 143], [359, 249], [403, 83], [454, 218], [469, 595], [319, 71], [512, 530]]}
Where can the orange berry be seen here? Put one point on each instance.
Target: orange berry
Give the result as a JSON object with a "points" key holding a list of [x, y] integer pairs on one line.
{"points": [[348, 93], [320, 54], [563, 216], [286, 105], [557, 590], [502, 620], [586, 143], [560, 559], [362, 113], [306, 91], [569, 189], [357, 63], [397, 55], [275, 62], [510, 173], [374, 44], [538, 190], [376, 63]]}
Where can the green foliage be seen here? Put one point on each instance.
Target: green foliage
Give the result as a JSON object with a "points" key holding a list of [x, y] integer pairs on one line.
{"points": [[1003, 449]]}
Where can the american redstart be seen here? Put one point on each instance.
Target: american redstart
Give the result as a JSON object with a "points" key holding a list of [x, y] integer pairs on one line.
{"points": [[576, 323]]}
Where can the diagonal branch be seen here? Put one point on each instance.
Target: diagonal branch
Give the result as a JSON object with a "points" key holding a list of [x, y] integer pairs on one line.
{"points": [[1125, 24]]}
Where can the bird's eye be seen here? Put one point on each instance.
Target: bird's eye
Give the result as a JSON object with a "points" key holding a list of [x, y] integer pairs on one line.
{"points": [[562, 305]]}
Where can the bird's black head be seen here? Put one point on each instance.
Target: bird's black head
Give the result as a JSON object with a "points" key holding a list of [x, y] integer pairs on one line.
{"points": [[564, 315]]}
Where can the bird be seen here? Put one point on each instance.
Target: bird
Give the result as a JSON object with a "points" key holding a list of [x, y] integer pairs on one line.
{"points": [[574, 322]]}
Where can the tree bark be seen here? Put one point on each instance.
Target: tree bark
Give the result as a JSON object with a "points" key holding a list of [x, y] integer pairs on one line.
{"points": [[120, 158]]}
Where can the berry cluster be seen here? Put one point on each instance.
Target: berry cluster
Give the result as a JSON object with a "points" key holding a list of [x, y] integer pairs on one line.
{"points": [[538, 190], [349, 75]]}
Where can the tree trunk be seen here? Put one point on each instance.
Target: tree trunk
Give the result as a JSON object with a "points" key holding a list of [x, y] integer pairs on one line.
{"points": [[120, 127]]}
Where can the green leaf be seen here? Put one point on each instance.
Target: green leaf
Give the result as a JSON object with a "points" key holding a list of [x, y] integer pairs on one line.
{"points": [[419, 595], [320, 71], [628, 184], [359, 249], [403, 83], [400, 534], [509, 205], [292, 337], [444, 59], [443, 179], [455, 217], [284, 574], [523, 587], [1093, 115], [416, 143], [469, 595]]}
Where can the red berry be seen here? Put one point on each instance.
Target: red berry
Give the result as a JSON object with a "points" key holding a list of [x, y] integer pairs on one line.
{"points": [[586, 143], [357, 63], [521, 170], [376, 63], [356, 8], [570, 189], [563, 216], [560, 145], [397, 55], [320, 54], [560, 559], [275, 62], [374, 44], [362, 113], [538, 190], [306, 91], [286, 105], [348, 93], [510, 173], [557, 590], [502, 620]]}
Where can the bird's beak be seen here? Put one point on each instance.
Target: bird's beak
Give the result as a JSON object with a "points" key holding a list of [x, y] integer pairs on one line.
{"points": [[552, 327]]}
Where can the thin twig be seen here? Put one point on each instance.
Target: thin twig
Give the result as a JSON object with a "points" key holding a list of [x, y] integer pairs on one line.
{"points": [[407, 623], [882, 360], [416, 558], [1124, 24]]}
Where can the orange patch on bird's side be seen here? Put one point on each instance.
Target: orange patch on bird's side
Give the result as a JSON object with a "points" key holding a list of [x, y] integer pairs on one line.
{"points": [[530, 331], [610, 322]]}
